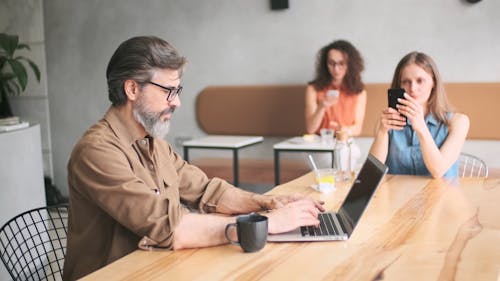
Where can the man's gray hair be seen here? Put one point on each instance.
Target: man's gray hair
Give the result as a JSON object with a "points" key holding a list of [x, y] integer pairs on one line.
{"points": [[136, 59]]}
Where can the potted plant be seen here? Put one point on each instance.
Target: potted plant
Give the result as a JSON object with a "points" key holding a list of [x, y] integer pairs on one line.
{"points": [[13, 74]]}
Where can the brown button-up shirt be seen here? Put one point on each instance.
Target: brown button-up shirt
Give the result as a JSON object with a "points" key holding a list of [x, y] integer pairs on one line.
{"points": [[128, 191]]}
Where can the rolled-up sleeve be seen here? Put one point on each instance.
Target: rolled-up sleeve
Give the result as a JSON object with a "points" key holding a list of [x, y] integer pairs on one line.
{"points": [[196, 190]]}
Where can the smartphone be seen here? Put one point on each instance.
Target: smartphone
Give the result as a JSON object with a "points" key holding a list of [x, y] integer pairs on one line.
{"points": [[393, 95], [332, 93]]}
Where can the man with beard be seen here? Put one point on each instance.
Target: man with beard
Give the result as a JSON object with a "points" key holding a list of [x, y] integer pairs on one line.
{"points": [[128, 188]]}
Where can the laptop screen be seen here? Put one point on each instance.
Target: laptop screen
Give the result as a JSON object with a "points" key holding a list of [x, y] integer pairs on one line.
{"points": [[361, 191]]}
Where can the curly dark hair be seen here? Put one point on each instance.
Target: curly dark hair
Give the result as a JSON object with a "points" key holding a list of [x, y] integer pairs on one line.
{"points": [[355, 65]]}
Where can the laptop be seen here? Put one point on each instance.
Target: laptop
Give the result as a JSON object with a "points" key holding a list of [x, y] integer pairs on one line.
{"points": [[339, 226]]}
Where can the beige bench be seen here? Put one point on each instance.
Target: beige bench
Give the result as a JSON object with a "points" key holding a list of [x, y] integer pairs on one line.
{"points": [[278, 111]]}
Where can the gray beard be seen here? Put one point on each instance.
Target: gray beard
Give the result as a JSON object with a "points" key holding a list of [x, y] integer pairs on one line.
{"points": [[151, 121]]}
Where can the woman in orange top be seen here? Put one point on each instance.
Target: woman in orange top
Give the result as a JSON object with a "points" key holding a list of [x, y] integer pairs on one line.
{"points": [[336, 98]]}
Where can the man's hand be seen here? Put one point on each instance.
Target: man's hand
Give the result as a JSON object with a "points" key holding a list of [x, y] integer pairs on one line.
{"points": [[270, 202], [294, 214]]}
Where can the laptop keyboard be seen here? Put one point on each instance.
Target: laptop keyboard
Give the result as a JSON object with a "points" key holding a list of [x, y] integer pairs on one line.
{"points": [[328, 226]]}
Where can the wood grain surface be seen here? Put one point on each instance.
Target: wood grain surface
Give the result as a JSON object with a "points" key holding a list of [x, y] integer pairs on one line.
{"points": [[415, 228]]}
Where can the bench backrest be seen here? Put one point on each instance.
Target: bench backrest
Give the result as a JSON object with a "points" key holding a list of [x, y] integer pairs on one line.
{"points": [[252, 110], [278, 110]]}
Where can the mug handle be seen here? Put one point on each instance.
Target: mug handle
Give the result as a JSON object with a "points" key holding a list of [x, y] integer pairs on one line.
{"points": [[227, 235]]}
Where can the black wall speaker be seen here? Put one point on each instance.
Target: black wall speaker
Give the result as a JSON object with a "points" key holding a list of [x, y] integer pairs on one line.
{"points": [[279, 4]]}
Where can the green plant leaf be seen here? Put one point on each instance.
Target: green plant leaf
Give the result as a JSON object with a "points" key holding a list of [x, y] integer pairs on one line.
{"points": [[20, 72], [3, 60], [2, 92], [4, 38], [9, 43], [6, 76], [12, 88], [34, 67], [23, 46], [13, 71]]}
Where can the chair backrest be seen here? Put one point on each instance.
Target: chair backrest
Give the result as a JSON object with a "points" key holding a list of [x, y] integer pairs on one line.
{"points": [[471, 166], [33, 244]]}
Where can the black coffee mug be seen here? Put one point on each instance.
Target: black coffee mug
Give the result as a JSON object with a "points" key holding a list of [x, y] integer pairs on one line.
{"points": [[251, 230]]}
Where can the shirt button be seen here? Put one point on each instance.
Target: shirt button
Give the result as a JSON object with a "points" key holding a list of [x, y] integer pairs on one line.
{"points": [[151, 167], [143, 142]]}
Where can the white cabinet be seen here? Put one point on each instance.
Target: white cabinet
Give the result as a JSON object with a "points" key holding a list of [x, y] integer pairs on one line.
{"points": [[21, 172], [21, 175]]}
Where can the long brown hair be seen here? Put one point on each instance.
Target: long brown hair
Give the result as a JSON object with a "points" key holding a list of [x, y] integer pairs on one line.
{"points": [[438, 103], [352, 81]]}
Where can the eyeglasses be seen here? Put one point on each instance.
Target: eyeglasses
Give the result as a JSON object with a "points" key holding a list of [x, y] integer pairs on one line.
{"points": [[171, 92], [340, 64]]}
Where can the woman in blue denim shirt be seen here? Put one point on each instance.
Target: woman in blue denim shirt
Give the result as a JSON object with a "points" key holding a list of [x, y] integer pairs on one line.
{"points": [[423, 136]]}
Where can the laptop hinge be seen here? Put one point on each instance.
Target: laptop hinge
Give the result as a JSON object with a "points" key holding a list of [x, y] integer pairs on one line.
{"points": [[345, 222]]}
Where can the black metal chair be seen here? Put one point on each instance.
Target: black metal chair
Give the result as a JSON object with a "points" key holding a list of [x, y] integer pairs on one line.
{"points": [[33, 244]]}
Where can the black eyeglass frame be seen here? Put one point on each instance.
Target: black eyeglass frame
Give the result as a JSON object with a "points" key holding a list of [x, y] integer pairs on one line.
{"points": [[171, 92]]}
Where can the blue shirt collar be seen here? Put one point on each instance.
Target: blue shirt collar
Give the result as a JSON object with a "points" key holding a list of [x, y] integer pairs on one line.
{"points": [[430, 119]]}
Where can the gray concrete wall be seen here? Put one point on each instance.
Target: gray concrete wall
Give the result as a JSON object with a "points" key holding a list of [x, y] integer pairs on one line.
{"points": [[244, 42]]}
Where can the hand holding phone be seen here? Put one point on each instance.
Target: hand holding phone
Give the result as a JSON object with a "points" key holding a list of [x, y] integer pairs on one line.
{"points": [[393, 95]]}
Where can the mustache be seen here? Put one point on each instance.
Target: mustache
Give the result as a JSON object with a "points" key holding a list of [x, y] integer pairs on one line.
{"points": [[168, 111]]}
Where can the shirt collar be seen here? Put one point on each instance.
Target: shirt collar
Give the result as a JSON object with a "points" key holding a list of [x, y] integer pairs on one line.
{"points": [[430, 119], [123, 125]]}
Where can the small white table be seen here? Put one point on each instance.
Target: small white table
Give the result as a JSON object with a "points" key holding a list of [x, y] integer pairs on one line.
{"points": [[234, 143], [299, 144]]}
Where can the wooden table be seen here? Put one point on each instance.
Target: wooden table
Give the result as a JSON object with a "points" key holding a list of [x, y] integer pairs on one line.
{"points": [[415, 228]]}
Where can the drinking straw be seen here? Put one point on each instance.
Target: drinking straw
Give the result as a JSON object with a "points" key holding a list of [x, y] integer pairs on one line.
{"points": [[311, 163]]}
